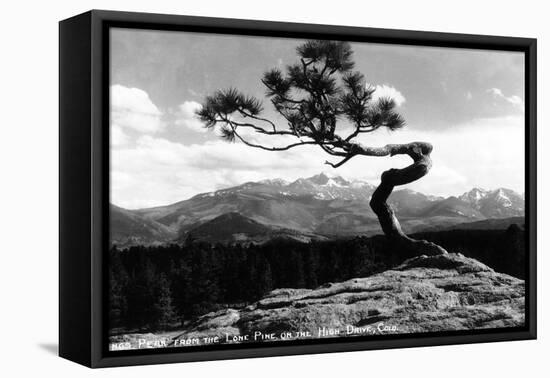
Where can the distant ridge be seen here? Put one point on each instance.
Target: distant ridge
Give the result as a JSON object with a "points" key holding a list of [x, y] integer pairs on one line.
{"points": [[321, 206], [487, 224], [236, 228]]}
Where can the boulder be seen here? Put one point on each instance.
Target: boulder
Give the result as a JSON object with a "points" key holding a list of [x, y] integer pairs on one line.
{"points": [[424, 294]]}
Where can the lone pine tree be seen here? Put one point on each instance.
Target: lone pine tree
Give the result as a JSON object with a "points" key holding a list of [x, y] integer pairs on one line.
{"points": [[314, 96]]}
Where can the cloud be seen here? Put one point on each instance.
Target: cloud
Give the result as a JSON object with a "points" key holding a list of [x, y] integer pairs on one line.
{"points": [[131, 108], [514, 100], [386, 90], [186, 116], [118, 136], [485, 152], [156, 171]]}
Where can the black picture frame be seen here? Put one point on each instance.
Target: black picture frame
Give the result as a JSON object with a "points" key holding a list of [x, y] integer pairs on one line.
{"points": [[84, 183]]}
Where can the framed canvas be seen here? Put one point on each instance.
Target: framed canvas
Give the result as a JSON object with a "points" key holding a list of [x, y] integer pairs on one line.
{"points": [[234, 188]]}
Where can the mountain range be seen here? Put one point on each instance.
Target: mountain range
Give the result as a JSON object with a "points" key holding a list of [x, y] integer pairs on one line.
{"points": [[315, 208]]}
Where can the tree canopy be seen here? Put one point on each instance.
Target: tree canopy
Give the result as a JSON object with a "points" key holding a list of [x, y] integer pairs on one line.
{"points": [[314, 96]]}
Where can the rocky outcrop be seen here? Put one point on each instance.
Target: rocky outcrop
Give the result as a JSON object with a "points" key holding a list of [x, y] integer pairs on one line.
{"points": [[424, 294]]}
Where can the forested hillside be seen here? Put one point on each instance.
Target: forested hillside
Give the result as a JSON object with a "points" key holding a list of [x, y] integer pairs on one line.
{"points": [[161, 287]]}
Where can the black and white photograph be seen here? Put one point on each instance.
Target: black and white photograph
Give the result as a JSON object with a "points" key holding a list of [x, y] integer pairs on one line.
{"points": [[244, 189], [270, 190]]}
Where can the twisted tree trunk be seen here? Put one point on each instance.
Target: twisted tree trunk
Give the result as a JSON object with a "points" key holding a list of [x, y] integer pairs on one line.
{"points": [[420, 154]]}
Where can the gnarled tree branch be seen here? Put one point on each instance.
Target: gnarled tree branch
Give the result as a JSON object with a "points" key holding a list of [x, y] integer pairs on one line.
{"points": [[420, 153], [311, 100]]}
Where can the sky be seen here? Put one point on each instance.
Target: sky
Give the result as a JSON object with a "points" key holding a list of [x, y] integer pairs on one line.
{"points": [[469, 104]]}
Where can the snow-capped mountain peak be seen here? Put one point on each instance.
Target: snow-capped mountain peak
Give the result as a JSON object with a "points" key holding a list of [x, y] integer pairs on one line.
{"points": [[502, 198], [495, 202], [325, 186], [320, 204], [275, 182], [474, 195]]}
